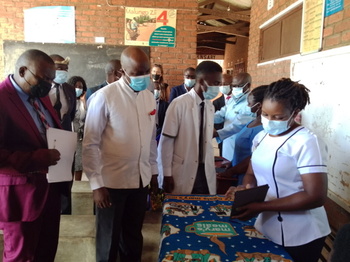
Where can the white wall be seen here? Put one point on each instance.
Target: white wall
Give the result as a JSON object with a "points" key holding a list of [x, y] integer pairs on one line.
{"points": [[327, 75]]}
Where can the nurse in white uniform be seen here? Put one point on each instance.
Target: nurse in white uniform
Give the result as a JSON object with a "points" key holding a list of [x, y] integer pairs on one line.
{"points": [[292, 161]]}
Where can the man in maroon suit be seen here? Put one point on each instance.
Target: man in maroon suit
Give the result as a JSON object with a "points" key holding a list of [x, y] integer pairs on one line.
{"points": [[29, 206]]}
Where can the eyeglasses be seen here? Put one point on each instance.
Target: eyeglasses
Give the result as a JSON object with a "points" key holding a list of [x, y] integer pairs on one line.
{"points": [[46, 79], [239, 86]]}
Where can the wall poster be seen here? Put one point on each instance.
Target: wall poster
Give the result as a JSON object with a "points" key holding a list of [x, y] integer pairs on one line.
{"points": [[334, 6], [150, 27], [312, 26], [50, 24]]}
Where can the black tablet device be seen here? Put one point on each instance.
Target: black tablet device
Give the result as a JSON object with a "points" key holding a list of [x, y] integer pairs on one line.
{"points": [[244, 197]]}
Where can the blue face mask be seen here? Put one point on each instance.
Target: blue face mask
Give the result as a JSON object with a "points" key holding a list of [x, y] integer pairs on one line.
{"points": [[190, 82], [225, 89], [61, 76], [274, 127], [156, 94], [78, 92], [139, 83], [211, 93]]}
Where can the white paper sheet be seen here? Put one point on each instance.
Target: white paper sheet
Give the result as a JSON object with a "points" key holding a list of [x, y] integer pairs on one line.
{"points": [[65, 142]]}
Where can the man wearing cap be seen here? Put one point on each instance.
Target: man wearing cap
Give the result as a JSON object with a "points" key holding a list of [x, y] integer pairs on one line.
{"points": [[63, 99], [62, 95]]}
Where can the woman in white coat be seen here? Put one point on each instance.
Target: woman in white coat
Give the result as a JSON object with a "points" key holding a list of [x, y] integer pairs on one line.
{"points": [[292, 161], [185, 164]]}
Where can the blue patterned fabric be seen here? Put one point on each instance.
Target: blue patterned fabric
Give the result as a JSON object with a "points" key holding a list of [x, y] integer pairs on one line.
{"points": [[198, 228]]}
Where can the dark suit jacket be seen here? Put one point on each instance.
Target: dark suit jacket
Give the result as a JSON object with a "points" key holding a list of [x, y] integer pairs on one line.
{"points": [[23, 183], [177, 91], [67, 119], [92, 90]]}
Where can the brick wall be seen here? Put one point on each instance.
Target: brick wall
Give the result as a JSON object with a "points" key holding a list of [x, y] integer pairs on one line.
{"points": [[336, 33], [237, 52], [106, 18]]}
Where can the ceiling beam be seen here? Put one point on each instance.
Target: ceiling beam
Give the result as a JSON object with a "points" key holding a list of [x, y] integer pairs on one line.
{"points": [[206, 2], [224, 14], [216, 41], [229, 29], [207, 17]]}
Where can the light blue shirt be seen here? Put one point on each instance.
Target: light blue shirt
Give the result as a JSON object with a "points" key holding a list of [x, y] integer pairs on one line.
{"points": [[235, 114], [24, 97]]}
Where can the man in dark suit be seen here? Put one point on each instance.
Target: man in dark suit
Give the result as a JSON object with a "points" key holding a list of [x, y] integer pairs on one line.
{"points": [[29, 206], [63, 99], [113, 74], [189, 81]]}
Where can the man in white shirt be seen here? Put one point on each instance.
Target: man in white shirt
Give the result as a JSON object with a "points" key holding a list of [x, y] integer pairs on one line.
{"points": [[235, 113], [119, 157], [185, 150]]}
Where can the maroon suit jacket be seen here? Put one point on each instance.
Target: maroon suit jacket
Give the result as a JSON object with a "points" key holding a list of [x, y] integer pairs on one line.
{"points": [[23, 184]]}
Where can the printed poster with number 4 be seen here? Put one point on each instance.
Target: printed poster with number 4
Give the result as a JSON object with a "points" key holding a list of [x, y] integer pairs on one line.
{"points": [[150, 27]]}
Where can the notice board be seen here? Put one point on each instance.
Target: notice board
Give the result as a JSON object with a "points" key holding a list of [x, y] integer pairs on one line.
{"points": [[87, 61], [312, 26]]}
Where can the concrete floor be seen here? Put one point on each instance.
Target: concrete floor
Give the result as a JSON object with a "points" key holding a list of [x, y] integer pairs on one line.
{"points": [[77, 231]]}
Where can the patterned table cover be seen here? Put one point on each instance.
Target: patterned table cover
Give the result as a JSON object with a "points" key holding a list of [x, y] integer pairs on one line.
{"points": [[196, 228]]}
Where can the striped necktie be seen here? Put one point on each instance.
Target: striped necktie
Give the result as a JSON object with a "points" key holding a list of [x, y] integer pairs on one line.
{"points": [[37, 109]]}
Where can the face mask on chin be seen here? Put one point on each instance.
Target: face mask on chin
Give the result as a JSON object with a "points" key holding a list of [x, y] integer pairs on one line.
{"points": [[275, 127], [211, 93], [139, 83], [61, 76]]}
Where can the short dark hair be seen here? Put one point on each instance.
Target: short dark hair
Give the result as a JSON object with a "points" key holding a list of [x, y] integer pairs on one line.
{"points": [[189, 69], [258, 93], [207, 67], [74, 79], [293, 94]]}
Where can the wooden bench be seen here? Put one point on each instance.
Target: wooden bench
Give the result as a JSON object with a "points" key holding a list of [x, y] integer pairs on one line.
{"points": [[328, 245]]}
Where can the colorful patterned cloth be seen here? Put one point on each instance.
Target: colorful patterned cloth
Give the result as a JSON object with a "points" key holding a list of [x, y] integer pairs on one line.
{"points": [[197, 228]]}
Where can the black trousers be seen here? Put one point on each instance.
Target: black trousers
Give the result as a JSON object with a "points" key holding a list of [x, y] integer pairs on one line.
{"points": [[118, 228], [200, 184], [309, 252]]}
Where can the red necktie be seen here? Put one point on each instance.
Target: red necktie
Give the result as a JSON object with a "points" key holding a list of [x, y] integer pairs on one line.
{"points": [[228, 97], [41, 115]]}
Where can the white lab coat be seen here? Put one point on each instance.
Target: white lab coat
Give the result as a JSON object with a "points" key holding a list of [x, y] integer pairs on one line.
{"points": [[178, 148], [234, 114]]}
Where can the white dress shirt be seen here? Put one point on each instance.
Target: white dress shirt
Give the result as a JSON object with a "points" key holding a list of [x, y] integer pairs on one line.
{"points": [[119, 143], [63, 99]]}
